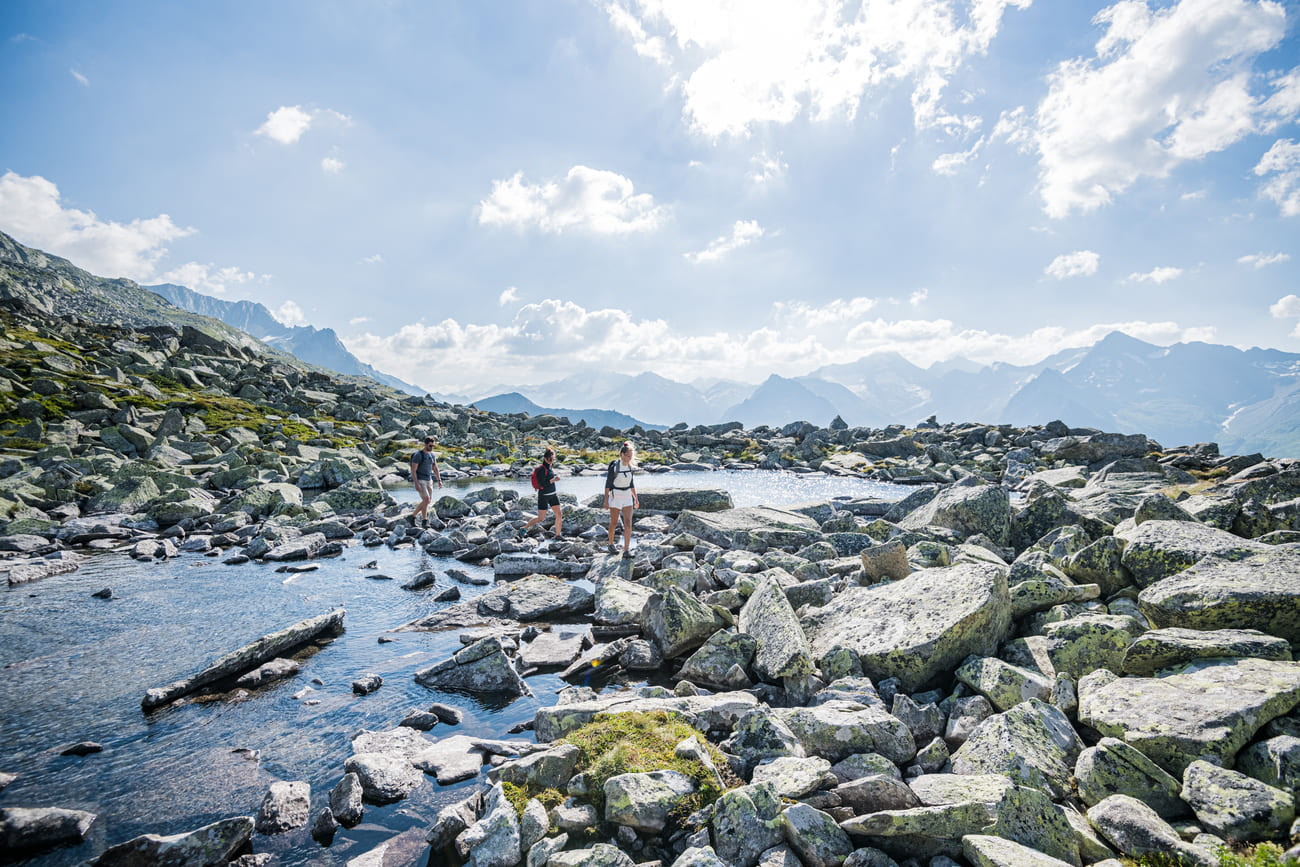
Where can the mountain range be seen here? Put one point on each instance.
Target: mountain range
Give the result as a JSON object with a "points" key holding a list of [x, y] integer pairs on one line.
{"points": [[1246, 400]]}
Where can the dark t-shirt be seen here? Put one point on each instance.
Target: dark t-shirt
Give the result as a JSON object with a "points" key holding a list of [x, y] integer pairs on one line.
{"points": [[545, 480], [424, 464]]}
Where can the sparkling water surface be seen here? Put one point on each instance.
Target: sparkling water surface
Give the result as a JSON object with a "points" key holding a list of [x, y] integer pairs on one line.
{"points": [[74, 668]]}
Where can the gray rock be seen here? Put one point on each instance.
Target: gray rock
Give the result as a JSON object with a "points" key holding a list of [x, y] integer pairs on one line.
{"points": [[759, 735], [781, 856], [1274, 762], [917, 628], [643, 801], [493, 841], [212, 844], [1028, 816], [861, 765], [815, 837], [537, 597], [549, 769], [1236, 807], [345, 800], [712, 664], [452, 820], [1159, 507], [1243, 591], [1004, 684], [286, 805], [982, 850], [699, 856], [1208, 709], [1158, 549], [838, 729], [1033, 744], [876, 792], [367, 684], [678, 622], [969, 510], [276, 669], [1171, 647], [521, 563], [932, 757], [619, 602], [1136, 830], [533, 824], [551, 650], [385, 776], [935, 790], [922, 831], [735, 527], [324, 827], [303, 548], [1048, 588], [887, 561], [746, 822], [795, 777], [482, 667], [964, 718], [1099, 563], [1113, 767], [782, 648], [925, 722], [599, 855], [1081, 645]]}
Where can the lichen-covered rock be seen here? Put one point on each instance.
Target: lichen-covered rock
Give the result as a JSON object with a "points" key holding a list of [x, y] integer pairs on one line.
{"points": [[964, 718], [482, 667], [212, 844], [619, 602], [1113, 767], [1100, 563], [746, 822], [717, 712], [934, 790], [549, 769], [1083, 644], [533, 824], [678, 622], [782, 649], [1004, 684], [1274, 762], [712, 665], [642, 801], [1049, 588], [493, 841], [1170, 647], [1208, 709], [759, 734], [875, 792], [795, 777], [983, 850], [1033, 744], [917, 628], [969, 510], [1136, 830], [516, 564], [1237, 807], [287, 805], [735, 527], [1028, 816], [1259, 590], [815, 837], [934, 830], [1158, 549], [699, 856], [838, 729]]}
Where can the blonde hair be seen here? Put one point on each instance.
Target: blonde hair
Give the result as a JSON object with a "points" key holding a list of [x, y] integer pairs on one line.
{"points": [[629, 449]]}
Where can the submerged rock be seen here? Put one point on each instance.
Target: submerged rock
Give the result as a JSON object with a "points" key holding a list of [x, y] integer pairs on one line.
{"points": [[37, 828], [211, 844]]}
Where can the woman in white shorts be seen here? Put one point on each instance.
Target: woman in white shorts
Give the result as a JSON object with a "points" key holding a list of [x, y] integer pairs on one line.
{"points": [[620, 495]]}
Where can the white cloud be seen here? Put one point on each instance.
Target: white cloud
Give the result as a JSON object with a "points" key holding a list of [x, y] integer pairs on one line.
{"points": [[1286, 307], [22, 37], [766, 168], [288, 123], [1205, 334], [917, 298], [208, 279], [591, 199], [743, 233], [1166, 87], [1282, 160], [359, 320], [948, 164], [376, 259], [81, 79], [1193, 196], [509, 296], [1081, 263], [565, 337], [331, 165], [1156, 275], [1015, 127], [290, 314], [748, 63], [1263, 260], [30, 210]]}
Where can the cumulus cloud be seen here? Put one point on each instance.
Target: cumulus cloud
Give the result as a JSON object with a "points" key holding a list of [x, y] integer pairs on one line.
{"points": [[290, 313], [803, 315], [1081, 263], [1263, 260], [509, 296], [1282, 162], [1165, 87], [1286, 307], [31, 211], [376, 259], [288, 123], [1156, 275], [743, 233], [917, 298], [745, 64], [594, 200], [81, 79], [764, 168], [208, 279], [331, 165]]}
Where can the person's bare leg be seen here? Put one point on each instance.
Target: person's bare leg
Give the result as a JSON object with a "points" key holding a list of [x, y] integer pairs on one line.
{"points": [[541, 516], [627, 528], [613, 522], [559, 520]]}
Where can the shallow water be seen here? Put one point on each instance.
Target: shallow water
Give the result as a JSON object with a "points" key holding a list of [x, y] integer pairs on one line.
{"points": [[74, 668]]}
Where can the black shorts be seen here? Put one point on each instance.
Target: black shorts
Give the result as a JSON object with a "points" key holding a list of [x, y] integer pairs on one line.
{"points": [[546, 501]]}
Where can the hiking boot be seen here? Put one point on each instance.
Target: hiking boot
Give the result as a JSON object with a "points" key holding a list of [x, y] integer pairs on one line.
{"points": [[610, 549], [424, 524]]}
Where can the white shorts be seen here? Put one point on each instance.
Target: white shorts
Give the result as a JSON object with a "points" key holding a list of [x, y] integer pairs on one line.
{"points": [[424, 487], [619, 499]]}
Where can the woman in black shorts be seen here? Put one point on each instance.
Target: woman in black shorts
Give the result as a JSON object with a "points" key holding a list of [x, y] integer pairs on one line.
{"points": [[547, 498]]}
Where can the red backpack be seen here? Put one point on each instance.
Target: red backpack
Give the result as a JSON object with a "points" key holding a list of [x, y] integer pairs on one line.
{"points": [[536, 479]]}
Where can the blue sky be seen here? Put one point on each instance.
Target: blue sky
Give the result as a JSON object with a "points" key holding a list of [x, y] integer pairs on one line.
{"points": [[478, 194]]}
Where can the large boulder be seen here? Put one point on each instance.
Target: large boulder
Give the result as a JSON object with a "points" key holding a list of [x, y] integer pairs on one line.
{"points": [[520, 563], [735, 528], [969, 510], [36, 828], [1136, 830], [782, 648], [537, 597], [1085, 643], [746, 822], [1173, 646], [1259, 590], [1033, 744], [815, 837], [919, 628], [838, 729], [722, 661], [493, 841], [643, 801], [984, 850], [1113, 767], [1236, 807], [286, 805], [678, 622], [212, 844], [1158, 549], [1004, 684], [1094, 448], [482, 667], [620, 602], [681, 499], [1208, 709]]}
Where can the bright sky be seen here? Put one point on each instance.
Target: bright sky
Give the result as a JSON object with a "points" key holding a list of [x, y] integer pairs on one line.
{"points": [[481, 193]]}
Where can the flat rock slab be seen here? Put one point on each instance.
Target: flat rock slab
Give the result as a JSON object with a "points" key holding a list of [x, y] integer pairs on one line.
{"points": [[1249, 591], [521, 563], [211, 844], [1167, 648], [1205, 710], [680, 500], [718, 711], [537, 597], [917, 628], [551, 650], [1158, 549], [733, 528], [619, 602]]}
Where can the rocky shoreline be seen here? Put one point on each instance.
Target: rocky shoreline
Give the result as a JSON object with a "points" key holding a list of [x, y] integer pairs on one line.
{"points": [[1064, 646]]}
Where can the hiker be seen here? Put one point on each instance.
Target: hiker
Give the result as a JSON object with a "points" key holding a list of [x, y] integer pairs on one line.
{"points": [[424, 469], [547, 498], [620, 495]]}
